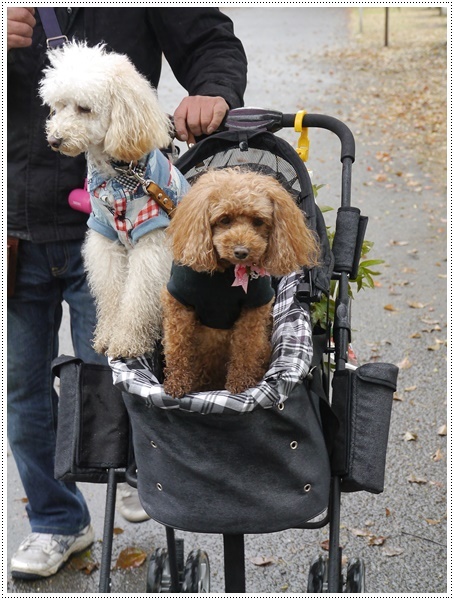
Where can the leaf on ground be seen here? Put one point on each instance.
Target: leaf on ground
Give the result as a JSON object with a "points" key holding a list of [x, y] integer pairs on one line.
{"points": [[430, 321], [388, 551], [416, 479], [397, 398], [413, 304], [118, 530], [433, 521], [130, 558], [84, 563], [437, 455], [416, 335], [325, 545], [410, 388], [395, 243], [410, 436], [377, 540], [443, 430], [263, 561], [360, 532], [405, 363], [390, 307]]}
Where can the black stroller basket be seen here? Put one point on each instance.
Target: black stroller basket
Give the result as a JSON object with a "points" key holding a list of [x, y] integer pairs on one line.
{"points": [[263, 461]]}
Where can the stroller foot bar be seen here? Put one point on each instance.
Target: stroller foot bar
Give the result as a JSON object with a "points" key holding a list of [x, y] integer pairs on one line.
{"points": [[234, 569]]}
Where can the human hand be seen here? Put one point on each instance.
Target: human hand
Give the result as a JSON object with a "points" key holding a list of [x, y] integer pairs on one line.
{"points": [[20, 24], [198, 115]]}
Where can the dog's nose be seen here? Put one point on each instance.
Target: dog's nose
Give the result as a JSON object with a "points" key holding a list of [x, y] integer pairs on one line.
{"points": [[54, 142], [241, 252]]}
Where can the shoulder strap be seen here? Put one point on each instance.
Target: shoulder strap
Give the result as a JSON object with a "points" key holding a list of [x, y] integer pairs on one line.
{"points": [[51, 27]]}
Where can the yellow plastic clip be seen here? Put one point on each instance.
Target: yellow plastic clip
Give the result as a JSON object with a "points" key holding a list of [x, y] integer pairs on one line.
{"points": [[303, 142]]}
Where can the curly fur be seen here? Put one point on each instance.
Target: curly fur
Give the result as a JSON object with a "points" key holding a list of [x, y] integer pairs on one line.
{"points": [[100, 105], [230, 216]]}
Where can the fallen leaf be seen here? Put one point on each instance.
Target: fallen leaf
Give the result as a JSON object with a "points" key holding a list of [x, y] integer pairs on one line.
{"points": [[360, 532], [325, 545], [433, 521], [118, 530], [416, 304], [395, 243], [443, 430], [411, 388], [390, 307], [388, 513], [83, 562], [376, 540], [405, 363], [409, 436], [130, 558], [416, 479], [262, 561], [397, 398], [388, 551], [437, 455], [415, 335]]}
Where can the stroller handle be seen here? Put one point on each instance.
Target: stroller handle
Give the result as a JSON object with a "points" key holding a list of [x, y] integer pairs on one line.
{"points": [[259, 118]]}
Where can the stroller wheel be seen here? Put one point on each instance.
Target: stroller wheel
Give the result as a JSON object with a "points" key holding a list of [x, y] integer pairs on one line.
{"points": [[317, 581], [356, 577], [158, 576], [196, 577]]}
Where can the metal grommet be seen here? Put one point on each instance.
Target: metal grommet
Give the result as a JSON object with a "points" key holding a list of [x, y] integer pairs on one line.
{"points": [[294, 445], [153, 444], [159, 486], [307, 487], [281, 406]]}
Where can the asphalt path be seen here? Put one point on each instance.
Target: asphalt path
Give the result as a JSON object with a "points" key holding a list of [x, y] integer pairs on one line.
{"points": [[287, 72]]}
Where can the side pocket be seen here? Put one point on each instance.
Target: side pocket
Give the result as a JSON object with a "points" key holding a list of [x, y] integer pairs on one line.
{"points": [[92, 425], [362, 401]]}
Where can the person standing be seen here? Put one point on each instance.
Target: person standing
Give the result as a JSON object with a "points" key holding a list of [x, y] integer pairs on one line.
{"points": [[209, 61]]}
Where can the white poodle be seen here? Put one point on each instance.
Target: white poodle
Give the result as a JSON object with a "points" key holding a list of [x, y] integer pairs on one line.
{"points": [[102, 106]]}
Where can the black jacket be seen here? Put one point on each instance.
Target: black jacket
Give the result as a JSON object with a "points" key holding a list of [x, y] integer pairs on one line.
{"points": [[217, 303], [202, 50]]}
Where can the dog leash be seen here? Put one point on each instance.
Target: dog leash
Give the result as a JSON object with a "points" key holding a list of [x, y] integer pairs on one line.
{"points": [[51, 28], [149, 187]]}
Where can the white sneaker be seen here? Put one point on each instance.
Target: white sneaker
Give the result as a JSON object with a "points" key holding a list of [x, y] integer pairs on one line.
{"points": [[128, 504], [43, 554]]}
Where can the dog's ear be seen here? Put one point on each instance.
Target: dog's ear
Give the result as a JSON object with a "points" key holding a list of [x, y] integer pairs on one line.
{"points": [[292, 244], [138, 125], [190, 231]]}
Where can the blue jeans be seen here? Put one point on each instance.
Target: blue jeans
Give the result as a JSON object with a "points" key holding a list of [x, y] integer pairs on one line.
{"points": [[47, 274]]}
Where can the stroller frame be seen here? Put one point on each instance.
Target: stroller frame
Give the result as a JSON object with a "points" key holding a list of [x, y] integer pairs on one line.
{"points": [[325, 574]]}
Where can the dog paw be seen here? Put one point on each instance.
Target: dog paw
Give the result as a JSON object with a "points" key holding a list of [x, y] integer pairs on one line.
{"points": [[175, 389], [239, 385]]}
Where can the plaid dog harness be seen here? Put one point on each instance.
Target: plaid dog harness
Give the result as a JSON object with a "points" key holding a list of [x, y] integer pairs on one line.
{"points": [[122, 210]]}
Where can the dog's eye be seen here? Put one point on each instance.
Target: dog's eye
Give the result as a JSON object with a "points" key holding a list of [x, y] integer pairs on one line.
{"points": [[258, 222], [84, 109], [225, 220]]}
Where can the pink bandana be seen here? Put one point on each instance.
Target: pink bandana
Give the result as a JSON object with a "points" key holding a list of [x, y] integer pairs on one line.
{"points": [[243, 272]]}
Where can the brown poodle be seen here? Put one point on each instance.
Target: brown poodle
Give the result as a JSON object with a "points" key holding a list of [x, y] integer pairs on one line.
{"points": [[232, 230]]}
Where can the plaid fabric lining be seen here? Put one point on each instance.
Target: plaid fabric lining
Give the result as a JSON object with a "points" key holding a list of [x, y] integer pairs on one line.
{"points": [[290, 362]]}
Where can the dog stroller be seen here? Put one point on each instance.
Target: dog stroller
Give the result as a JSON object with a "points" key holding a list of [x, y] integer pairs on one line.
{"points": [[275, 457]]}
